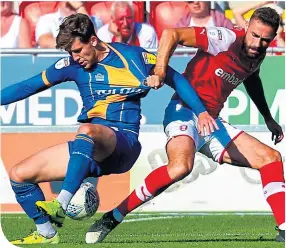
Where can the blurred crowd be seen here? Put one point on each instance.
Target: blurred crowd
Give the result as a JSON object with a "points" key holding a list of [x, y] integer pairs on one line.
{"points": [[35, 24]]}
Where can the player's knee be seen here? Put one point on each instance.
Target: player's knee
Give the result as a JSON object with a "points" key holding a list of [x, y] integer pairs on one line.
{"points": [[273, 156], [16, 174], [88, 129], [270, 156], [179, 171]]}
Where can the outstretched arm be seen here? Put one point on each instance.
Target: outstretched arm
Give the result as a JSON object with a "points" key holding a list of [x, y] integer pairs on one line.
{"points": [[24, 89], [185, 90], [206, 123], [255, 90], [57, 73]]}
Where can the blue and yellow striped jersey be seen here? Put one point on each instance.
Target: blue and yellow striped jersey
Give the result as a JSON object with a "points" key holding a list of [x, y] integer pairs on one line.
{"points": [[112, 89]]}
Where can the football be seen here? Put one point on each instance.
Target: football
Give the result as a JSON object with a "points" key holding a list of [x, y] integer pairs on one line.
{"points": [[84, 203]]}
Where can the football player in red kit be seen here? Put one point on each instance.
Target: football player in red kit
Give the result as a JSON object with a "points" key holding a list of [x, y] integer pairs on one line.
{"points": [[225, 59]]}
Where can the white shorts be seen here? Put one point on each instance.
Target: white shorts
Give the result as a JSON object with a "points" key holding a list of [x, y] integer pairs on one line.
{"points": [[214, 145]]}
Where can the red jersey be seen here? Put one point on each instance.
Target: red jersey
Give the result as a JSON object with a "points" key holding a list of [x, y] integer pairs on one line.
{"points": [[219, 66]]}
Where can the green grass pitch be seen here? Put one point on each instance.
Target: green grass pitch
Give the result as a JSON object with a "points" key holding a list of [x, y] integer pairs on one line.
{"points": [[144, 230]]}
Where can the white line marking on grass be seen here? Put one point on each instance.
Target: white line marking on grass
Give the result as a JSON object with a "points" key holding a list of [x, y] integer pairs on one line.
{"points": [[179, 215], [152, 218], [203, 214], [168, 215], [194, 234]]}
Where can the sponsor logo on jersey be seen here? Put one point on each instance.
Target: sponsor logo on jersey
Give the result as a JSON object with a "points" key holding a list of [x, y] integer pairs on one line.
{"points": [[99, 77], [65, 62], [121, 91], [230, 78], [149, 58]]}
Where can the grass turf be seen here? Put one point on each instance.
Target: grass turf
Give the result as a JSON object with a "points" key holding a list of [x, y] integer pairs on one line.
{"points": [[155, 230]]}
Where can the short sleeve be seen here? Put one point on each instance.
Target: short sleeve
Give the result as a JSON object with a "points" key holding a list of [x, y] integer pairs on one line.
{"points": [[214, 39]]}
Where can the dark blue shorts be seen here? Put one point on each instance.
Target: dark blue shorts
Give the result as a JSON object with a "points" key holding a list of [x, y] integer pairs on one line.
{"points": [[122, 159]]}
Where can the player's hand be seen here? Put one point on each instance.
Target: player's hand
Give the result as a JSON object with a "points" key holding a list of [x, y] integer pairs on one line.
{"points": [[275, 129], [206, 124], [154, 82]]}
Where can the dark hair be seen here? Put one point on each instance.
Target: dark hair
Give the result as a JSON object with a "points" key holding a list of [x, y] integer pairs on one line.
{"points": [[74, 26], [268, 16]]}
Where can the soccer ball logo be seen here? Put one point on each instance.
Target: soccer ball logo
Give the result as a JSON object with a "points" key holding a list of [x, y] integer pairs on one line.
{"points": [[84, 203]]}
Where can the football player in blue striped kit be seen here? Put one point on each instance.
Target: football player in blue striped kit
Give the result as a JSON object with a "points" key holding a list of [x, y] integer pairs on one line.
{"points": [[110, 78]]}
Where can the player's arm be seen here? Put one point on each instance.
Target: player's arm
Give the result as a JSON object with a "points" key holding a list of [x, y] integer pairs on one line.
{"points": [[36, 84], [211, 39], [254, 88], [170, 39], [185, 90], [188, 95], [22, 90]]}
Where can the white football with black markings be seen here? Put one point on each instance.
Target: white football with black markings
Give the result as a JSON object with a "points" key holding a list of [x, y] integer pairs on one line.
{"points": [[84, 203]]}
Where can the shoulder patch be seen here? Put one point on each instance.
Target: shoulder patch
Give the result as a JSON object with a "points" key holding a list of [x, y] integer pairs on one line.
{"points": [[149, 58], [65, 62]]}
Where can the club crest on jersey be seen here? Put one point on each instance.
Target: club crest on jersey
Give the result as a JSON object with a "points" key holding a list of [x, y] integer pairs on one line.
{"points": [[215, 34], [65, 62], [149, 58], [99, 77]]}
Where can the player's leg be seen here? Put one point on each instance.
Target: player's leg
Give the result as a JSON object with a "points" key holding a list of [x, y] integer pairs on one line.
{"points": [[127, 151], [246, 150], [180, 152], [47, 165], [92, 143]]}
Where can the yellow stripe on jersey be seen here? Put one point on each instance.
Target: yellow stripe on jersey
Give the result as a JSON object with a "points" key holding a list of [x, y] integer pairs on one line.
{"points": [[100, 107], [44, 77], [120, 76]]}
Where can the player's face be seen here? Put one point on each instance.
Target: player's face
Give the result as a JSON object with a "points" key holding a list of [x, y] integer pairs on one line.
{"points": [[84, 54], [257, 38], [124, 20]]}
